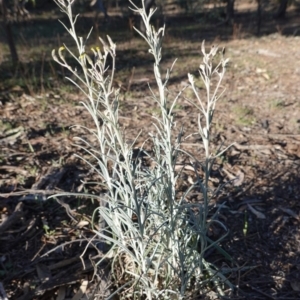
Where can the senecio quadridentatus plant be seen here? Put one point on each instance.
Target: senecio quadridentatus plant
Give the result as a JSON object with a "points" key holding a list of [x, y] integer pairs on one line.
{"points": [[155, 239]]}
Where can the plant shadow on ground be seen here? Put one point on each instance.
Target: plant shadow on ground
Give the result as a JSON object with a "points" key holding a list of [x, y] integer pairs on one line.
{"points": [[262, 213], [266, 238]]}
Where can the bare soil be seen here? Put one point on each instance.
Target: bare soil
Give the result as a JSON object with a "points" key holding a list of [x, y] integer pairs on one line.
{"points": [[44, 253]]}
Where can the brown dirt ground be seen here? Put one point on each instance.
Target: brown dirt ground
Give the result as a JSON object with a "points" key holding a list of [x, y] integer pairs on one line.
{"points": [[40, 247]]}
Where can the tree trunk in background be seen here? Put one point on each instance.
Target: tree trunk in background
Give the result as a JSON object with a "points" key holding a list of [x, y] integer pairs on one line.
{"points": [[259, 16], [230, 12], [11, 43], [281, 9], [9, 34]]}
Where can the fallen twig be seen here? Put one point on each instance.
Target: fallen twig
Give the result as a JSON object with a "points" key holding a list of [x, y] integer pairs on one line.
{"points": [[2, 292], [15, 216], [29, 191]]}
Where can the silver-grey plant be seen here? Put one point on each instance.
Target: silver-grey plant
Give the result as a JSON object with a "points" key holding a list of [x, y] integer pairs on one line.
{"points": [[155, 239]]}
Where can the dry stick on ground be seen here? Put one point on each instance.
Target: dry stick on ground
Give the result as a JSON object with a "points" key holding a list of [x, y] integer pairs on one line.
{"points": [[30, 191], [2, 292], [261, 292], [18, 212]]}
